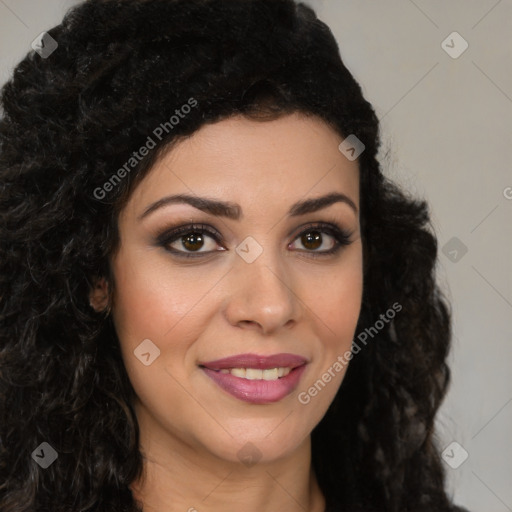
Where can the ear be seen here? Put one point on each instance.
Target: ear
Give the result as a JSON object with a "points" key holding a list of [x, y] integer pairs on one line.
{"points": [[98, 296]]}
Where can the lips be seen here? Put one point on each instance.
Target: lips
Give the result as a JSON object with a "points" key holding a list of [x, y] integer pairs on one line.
{"points": [[246, 376]]}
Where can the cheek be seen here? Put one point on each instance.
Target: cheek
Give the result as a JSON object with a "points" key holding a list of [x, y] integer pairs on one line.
{"points": [[146, 308], [158, 302], [154, 300], [341, 304], [335, 301]]}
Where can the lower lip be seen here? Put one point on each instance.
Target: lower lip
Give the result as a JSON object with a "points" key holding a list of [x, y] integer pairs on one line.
{"points": [[257, 391]]}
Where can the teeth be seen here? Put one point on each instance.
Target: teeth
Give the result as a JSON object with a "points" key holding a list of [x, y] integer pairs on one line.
{"points": [[253, 374], [238, 372], [256, 374]]}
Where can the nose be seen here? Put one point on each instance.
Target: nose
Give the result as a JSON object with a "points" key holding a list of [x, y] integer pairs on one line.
{"points": [[262, 295]]}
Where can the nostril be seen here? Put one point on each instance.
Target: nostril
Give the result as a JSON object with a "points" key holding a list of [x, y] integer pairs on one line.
{"points": [[250, 323]]}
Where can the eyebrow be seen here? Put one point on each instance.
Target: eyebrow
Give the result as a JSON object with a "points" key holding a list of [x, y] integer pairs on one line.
{"points": [[233, 211]]}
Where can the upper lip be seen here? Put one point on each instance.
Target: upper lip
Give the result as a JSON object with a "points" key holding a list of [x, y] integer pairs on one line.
{"points": [[256, 361]]}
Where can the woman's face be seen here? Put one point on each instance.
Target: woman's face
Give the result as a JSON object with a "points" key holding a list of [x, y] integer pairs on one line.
{"points": [[259, 283]]}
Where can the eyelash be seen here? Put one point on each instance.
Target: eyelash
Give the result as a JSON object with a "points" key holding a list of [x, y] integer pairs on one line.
{"points": [[341, 237]]}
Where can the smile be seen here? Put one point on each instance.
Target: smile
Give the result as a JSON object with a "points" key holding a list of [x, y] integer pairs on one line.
{"points": [[257, 379]]}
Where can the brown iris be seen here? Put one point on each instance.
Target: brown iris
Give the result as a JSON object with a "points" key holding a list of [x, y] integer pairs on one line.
{"points": [[312, 239], [193, 241]]}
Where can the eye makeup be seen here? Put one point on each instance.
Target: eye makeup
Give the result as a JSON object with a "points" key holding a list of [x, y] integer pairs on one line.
{"points": [[199, 232]]}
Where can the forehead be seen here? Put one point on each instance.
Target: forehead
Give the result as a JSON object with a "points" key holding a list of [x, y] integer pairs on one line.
{"points": [[254, 162]]}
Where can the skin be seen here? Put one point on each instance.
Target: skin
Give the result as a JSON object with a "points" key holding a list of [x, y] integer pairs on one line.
{"points": [[219, 305]]}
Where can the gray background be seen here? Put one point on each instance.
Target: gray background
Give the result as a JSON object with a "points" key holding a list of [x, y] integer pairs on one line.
{"points": [[446, 129]]}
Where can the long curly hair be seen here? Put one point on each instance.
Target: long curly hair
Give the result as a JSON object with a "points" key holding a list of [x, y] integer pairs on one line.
{"points": [[69, 122]]}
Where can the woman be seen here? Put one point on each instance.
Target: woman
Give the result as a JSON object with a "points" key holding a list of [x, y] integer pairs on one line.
{"points": [[211, 296]]}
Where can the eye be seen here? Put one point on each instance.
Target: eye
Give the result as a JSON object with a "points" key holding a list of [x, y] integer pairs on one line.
{"points": [[188, 241], [313, 238]]}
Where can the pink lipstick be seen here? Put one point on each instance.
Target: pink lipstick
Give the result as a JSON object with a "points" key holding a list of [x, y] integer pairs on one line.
{"points": [[255, 378]]}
